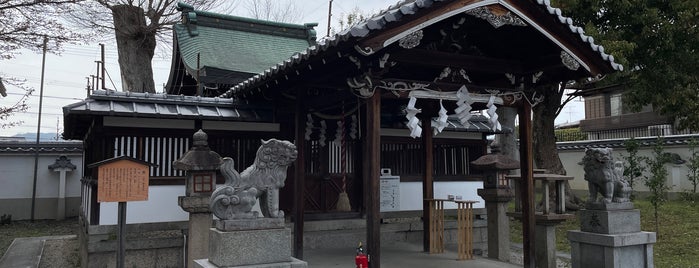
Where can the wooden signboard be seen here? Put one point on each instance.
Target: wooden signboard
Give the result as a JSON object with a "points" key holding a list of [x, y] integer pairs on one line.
{"points": [[122, 180]]}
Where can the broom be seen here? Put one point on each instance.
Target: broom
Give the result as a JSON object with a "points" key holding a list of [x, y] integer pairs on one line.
{"points": [[343, 202]]}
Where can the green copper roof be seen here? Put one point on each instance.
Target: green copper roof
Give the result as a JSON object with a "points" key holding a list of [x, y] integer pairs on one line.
{"points": [[235, 50], [237, 44]]}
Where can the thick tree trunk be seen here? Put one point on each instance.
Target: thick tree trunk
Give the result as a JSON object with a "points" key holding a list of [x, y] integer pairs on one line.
{"points": [[136, 46], [508, 141], [545, 151]]}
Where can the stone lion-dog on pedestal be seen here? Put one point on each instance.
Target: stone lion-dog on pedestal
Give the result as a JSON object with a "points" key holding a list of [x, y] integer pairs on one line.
{"points": [[605, 176]]}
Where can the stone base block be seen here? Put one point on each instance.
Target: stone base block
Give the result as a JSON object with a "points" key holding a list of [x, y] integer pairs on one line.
{"points": [[610, 221], [609, 206], [249, 224], [629, 250], [239, 248], [294, 263]]}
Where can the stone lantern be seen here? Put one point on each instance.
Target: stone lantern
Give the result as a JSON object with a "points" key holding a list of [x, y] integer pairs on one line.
{"points": [[497, 193], [200, 165]]}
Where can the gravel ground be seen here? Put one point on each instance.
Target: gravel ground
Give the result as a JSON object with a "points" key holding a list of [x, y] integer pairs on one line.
{"points": [[516, 257], [17, 229], [60, 253]]}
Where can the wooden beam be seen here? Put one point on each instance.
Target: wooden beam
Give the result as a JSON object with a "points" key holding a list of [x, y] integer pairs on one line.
{"points": [[372, 170], [562, 34], [299, 178], [377, 41], [440, 59], [527, 189], [427, 181]]}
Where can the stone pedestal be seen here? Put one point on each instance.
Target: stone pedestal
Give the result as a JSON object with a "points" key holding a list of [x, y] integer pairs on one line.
{"points": [[198, 228], [250, 243], [611, 239], [545, 241], [498, 222]]}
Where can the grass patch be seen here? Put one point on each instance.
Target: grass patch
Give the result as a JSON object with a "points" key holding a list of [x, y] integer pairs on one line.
{"points": [[678, 236], [37, 228]]}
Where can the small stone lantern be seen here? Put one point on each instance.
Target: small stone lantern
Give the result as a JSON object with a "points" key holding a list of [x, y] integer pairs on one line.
{"points": [[497, 193], [495, 167], [200, 165]]}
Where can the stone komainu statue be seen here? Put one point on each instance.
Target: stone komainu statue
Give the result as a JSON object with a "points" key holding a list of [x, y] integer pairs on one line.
{"points": [[263, 179], [604, 176]]}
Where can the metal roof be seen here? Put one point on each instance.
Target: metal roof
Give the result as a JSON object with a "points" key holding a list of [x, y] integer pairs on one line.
{"points": [[149, 105], [396, 13]]}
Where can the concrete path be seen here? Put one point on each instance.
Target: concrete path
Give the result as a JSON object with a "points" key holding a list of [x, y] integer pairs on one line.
{"points": [[398, 255], [25, 252]]}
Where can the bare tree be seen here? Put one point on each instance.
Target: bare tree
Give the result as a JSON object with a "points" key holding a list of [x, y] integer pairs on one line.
{"points": [[25, 23], [137, 25], [19, 106], [273, 10], [347, 20]]}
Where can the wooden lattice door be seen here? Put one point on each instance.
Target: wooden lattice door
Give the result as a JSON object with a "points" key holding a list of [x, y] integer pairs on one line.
{"points": [[324, 176]]}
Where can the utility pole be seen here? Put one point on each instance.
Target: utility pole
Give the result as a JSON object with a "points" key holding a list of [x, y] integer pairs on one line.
{"points": [[330, 14], [38, 128], [102, 49], [87, 86]]}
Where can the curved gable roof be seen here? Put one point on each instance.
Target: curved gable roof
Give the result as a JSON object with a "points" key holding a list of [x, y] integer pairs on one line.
{"points": [[227, 49], [537, 13]]}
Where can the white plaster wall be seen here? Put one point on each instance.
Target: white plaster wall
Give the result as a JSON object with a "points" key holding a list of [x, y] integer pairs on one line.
{"points": [[160, 207], [676, 177], [17, 176], [411, 193]]}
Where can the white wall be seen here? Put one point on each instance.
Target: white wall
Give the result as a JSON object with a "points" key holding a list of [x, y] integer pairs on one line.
{"points": [[17, 176], [677, 174], [160, 207], [411, 193], [17, 179]]}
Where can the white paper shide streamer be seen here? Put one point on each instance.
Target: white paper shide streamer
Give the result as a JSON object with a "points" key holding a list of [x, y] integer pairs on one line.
{"points": [[322, 138], [411, 112], [309, 127], [441, 120], [338, 134], [463, 103], [493, 115], [354, 127]]}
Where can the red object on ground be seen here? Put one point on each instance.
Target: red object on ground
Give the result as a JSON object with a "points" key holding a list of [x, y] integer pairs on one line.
{"points": [[361, 260]]}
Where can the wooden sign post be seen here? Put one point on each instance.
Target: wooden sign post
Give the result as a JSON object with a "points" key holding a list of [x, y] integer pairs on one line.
{"points": [[121, 179]]}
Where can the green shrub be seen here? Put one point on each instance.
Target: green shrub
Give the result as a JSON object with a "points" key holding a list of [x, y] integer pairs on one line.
{"points": [[570, 134]]}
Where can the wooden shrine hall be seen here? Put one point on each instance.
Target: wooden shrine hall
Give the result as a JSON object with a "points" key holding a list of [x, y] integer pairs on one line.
{"points": [[421, 67], [416, 61]]}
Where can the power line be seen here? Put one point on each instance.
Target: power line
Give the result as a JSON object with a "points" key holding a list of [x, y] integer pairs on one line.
{"points": [[52, 97]]}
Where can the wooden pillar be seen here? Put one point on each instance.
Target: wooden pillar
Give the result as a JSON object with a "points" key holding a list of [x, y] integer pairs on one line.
{"points": [[427, 181], [527, 187], [299, 178], [372, 170]]}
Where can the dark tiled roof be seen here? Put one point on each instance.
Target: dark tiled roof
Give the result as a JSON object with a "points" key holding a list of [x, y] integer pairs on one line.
{"points": [[237, 44], [477, 123], [24, 147], [619, 143], [392, 14]]}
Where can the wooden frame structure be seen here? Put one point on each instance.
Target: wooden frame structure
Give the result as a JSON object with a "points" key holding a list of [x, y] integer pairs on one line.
{"points": [[502, 48], [498, 50]]}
